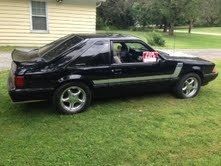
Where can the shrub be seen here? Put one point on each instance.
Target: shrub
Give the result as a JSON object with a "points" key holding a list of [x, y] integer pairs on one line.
{"points": [[155, 39]]}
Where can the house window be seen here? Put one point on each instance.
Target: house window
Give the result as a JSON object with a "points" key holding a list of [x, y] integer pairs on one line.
{"points": [[39, 16]]}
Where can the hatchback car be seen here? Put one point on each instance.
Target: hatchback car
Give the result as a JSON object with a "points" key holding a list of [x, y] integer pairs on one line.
{"points": [[72, 68]]}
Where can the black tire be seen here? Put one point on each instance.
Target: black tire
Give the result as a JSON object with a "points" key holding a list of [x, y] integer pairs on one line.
{"points": [[61, 90], [178, 89]]}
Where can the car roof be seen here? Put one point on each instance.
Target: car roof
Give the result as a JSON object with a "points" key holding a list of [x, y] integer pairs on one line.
{"points": [[107, 36]]}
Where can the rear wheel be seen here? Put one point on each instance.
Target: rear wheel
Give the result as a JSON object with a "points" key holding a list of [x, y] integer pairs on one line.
{"points": [[188, 86], [72, 98]]}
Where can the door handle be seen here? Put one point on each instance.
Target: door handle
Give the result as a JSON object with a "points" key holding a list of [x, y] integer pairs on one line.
{"points": [[116, 71]]}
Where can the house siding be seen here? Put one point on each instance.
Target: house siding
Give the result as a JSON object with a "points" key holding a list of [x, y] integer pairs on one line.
{"points": [[71, 16]]}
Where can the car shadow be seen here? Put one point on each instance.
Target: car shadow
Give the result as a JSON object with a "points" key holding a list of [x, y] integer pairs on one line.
{"points": [[101, 97], [125, 95], [45, 107]]}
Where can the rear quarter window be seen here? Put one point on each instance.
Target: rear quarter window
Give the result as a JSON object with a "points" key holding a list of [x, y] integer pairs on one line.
{"points": [[61, 48], [97, 55]]}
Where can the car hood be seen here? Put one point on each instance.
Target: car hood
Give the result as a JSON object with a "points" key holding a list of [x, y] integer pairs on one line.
{"points": [[184, 58]]}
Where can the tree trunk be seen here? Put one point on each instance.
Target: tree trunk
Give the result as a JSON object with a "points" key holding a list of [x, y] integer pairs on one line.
{"points": [[165, 28], [190, 26], [171, 29], [165, 24]]}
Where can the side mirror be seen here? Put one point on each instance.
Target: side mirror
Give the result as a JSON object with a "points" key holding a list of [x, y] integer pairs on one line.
{"points": [[160, 60]]}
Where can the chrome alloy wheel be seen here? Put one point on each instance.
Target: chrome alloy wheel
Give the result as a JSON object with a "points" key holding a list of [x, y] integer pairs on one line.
{"points": [[190, 87], [73, 99]]}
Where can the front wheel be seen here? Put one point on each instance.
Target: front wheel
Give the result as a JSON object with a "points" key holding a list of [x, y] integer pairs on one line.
{"points": [[188, 86], [72, 98]]}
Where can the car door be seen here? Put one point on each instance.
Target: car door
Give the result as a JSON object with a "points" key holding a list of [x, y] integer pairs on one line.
{"points": [[94, 64], [135, 72]]}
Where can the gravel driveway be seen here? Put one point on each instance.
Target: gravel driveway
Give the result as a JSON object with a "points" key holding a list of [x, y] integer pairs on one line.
{"points": [[210, 54], [5, 60]]}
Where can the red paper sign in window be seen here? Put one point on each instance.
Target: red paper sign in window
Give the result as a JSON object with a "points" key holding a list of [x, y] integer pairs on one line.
{"points": [[150, 56]]}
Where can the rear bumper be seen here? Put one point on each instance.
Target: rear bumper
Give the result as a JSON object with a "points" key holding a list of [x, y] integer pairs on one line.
{"points": [[209, 77], [28, 95]]}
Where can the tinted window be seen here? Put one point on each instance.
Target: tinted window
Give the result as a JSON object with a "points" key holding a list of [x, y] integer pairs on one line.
{"points": [[44, 49], [136, 46], [58, 47], [96, 55]]}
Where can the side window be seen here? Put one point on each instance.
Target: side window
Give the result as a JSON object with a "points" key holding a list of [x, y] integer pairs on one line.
{"points": [[136, 46], [96, 55], [133, 52]]}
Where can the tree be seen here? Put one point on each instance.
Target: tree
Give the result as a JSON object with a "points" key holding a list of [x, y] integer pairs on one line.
{"points": [[140, 14], [192, 12], [117, 13], [210, 12], [144, 12], [172, 11], [163, 13]]}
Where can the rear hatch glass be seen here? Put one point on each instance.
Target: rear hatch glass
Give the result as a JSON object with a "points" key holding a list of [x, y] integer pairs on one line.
{"points": [[50, 52], [47, 52]]}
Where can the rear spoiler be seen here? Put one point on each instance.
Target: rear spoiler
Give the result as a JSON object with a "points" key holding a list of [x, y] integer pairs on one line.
{"points": [[24, 56]]}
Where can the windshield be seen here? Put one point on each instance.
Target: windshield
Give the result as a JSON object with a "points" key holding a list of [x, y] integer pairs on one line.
{"points": [[54, 49]]}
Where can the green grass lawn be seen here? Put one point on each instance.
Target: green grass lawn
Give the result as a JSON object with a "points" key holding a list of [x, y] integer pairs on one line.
{"points": [[7, 48], [181, 40], [193, 41], [208, 29], [178, 41], [204, 29], [155, 129], [11, 48]]}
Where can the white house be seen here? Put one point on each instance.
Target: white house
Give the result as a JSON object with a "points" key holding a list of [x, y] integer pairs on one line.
{"points": [[37, 22]]}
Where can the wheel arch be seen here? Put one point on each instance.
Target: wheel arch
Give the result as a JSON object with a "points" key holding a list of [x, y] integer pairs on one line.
{"points": [[195, 69], [67, 82], [74, 78], [198, 72]]}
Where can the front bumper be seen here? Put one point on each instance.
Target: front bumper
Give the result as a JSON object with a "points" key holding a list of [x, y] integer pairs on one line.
{"points": [[209, 77]]}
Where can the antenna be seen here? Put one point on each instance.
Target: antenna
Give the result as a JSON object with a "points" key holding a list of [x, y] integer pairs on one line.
{"points": [[174, 44]]}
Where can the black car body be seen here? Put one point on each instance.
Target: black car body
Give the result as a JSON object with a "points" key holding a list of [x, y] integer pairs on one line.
{"points": [[90, 60]]}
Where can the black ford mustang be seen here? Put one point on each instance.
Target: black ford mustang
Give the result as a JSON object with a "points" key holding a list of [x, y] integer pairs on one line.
{"points": [[70, 69]]}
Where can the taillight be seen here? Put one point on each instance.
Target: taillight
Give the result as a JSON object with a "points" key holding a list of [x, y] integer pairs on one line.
{"points": [[19, 81]]}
